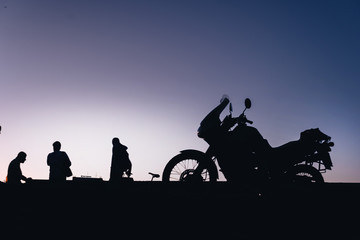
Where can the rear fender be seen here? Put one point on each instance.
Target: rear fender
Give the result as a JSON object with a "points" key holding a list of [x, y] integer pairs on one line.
{"points": [[196, 154]]}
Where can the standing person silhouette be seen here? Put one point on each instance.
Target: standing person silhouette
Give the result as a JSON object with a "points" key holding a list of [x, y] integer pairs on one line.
{"points": [[14, 175], [120, 161], [59, 163]]}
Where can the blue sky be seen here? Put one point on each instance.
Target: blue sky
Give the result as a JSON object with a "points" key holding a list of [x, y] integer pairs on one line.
{"points": [[83, 72]]}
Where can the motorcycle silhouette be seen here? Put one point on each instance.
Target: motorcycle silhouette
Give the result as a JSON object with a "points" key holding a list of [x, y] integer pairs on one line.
{"points": [[243, 155]]}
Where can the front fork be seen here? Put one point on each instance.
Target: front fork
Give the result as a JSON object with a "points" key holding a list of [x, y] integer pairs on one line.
{"points": [[207, 163], [200, 168]]}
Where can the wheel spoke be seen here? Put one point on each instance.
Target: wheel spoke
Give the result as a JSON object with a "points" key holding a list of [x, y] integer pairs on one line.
{"points": [[186, 167]]}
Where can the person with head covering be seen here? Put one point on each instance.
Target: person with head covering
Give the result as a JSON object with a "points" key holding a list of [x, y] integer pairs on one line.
{"points": [[120, 162]]}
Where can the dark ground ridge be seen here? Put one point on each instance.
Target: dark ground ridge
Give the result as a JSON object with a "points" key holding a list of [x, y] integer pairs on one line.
{"points": [[92, 208]]}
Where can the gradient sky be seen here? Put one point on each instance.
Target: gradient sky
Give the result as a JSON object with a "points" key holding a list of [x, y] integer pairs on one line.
{"points": [[83, 72]]}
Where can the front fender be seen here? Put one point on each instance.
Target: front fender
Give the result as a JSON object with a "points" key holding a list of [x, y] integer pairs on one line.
{"points": [[196, 154]]}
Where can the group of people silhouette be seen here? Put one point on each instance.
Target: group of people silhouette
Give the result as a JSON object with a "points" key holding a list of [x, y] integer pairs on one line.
{"points": [[59, 163]]}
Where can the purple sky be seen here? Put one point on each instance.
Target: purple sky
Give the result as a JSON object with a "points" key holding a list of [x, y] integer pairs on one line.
{"points": [[83, 72]]}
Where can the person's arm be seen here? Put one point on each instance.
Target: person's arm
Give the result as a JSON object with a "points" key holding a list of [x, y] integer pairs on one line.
{"points": [[67, 159], [48, 160], [23, 178]]}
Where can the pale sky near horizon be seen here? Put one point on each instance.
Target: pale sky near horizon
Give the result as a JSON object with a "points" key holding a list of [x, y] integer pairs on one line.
{"points": [[83, 72]]}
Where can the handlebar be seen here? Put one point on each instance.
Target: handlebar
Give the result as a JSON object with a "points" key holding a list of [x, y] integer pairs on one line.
{"points": [[242, 119], [229, 121]]}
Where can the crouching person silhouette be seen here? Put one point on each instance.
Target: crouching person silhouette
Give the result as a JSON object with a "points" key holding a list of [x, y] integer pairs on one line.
{"points": [[120, 162], [14, 175], [59, 164]]}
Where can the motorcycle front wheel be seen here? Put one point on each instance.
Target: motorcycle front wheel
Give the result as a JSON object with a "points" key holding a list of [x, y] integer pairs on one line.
{"points": [[304, 174], [182, 168]]}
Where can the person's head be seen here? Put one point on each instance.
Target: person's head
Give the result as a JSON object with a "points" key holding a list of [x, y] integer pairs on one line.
{"points": [[56, 146], [115, 141], [21, 157]]}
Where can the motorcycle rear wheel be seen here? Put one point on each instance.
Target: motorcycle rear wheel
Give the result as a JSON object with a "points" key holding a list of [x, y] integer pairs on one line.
{"points": [[304, 174], [182, 167]]}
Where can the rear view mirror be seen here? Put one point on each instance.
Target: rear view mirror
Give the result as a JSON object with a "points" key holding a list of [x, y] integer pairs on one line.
{"points": [[247, 103]]}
